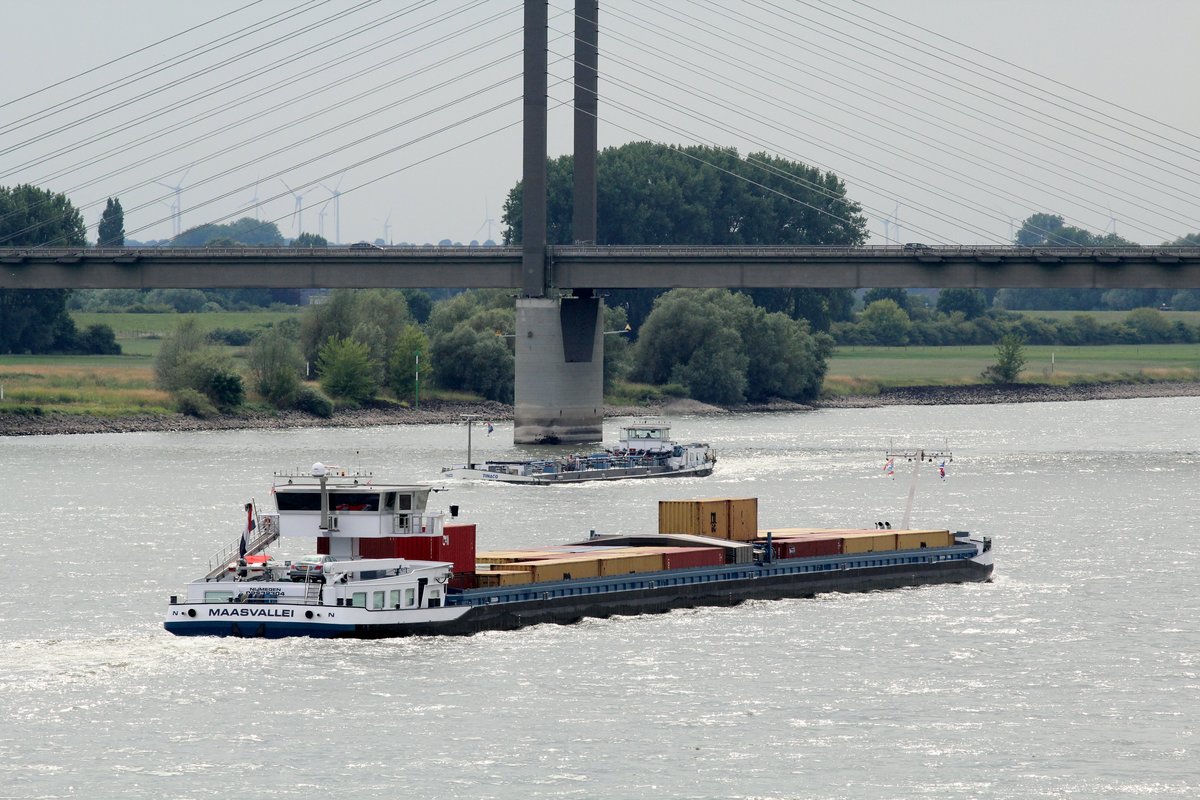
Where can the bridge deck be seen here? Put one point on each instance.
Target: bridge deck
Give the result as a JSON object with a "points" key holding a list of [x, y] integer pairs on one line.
{"points": [[613, 267]]}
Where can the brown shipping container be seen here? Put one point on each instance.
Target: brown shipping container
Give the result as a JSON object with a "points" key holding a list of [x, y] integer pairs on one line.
{"points": [[501, 577], [695, 517], [624, 564], [914, 540], [557, 569], [868, 542], [512, 556], [743, 519], [718, 517]]}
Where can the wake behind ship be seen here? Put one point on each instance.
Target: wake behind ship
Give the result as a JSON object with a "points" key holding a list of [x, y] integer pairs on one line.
{"points": [[387, 566]]}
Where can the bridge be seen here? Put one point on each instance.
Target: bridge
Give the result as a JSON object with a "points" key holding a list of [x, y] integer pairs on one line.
{"points": [[559, 341], [614, 267]]}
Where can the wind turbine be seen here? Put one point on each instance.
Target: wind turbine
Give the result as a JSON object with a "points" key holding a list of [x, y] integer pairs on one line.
{"points": [[321, 219], [1012, 236], [387, 228], [887, 239], [337, 207], [254, 199], [298, 214], [487, 222], [177, 206]]}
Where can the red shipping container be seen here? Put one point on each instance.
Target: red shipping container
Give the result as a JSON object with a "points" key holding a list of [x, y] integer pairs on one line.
{"points": [[464, 581], [456, 545], [692, 557], [805, 548]]}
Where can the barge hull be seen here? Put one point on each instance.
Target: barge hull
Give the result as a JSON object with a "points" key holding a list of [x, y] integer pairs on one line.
{"points": [[635, 602], [568, 610]]}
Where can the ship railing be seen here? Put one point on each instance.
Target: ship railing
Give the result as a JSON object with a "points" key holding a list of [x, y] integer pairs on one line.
{"points": [[266, 531], [405, 523]]}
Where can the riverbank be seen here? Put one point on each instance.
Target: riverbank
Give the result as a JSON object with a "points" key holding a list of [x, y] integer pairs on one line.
{"points": [[442, 412]]}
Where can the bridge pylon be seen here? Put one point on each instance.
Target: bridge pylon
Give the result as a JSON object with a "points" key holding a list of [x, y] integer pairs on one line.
{"points": [[559, 380]]}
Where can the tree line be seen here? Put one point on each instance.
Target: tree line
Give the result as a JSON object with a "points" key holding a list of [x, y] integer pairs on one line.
{"points": [[896, 317], [714, 345]]}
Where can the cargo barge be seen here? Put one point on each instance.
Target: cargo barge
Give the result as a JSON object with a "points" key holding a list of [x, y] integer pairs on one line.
{"points": [[389, 567], [644, 450]]}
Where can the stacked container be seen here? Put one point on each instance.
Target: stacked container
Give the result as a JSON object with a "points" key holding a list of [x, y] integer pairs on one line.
{"points": [[734, 518]]}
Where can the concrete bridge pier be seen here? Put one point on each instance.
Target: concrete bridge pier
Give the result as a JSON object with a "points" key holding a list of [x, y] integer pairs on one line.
{"points": [[559, 387]]}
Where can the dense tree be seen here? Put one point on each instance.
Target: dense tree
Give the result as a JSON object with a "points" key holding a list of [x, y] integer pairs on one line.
{"points": [[1047, 299], [420, 304], [309, 240], [467, 340], [111, 232], [722, 348], [376, 317], [187, 362], [1050, 230], [898, 296], [403, 364], [618, 351], [36, 320], [33, 217], [1149, 325], [1010, 359], [98, 340], [276, 368], [784, 360], [650, 194], [345, 370], [968, 301], [246, 231], [884, 322], [473, 360]]}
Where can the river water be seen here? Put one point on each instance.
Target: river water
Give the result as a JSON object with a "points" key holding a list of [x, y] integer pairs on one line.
{"points": [[1074, 674]]}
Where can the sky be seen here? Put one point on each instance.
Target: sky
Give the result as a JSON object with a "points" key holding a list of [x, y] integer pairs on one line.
{"points": [[410, 109]]}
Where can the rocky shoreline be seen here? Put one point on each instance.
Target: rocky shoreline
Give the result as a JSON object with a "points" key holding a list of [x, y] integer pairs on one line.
{"points": [[441, 412], [1013, 393]]}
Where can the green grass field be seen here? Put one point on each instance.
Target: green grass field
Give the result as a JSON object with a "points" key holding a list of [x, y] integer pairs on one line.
{"points": [[864, 370], [124, 384], [140, 335], [158, 324]]}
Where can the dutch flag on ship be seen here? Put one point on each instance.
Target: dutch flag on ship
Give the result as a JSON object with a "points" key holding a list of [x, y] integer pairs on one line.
{"points": [[244, 544]]}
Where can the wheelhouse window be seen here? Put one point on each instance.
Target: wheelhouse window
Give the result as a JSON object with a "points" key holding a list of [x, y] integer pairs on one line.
{"points": [[354, 501], [338, 501]]}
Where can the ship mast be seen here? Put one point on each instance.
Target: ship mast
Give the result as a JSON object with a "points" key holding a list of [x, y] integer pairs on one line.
{"points": [[470, 420], [918, 458]]}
